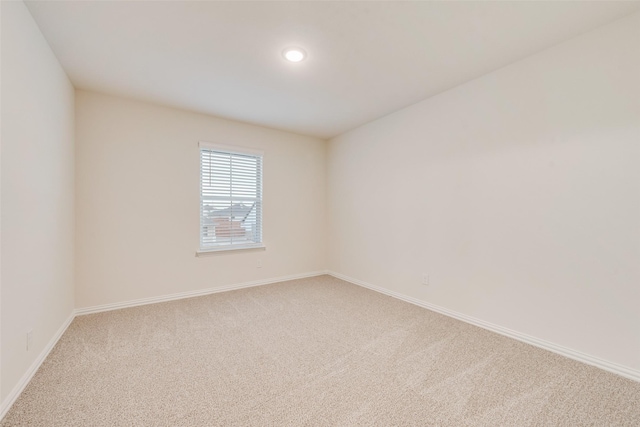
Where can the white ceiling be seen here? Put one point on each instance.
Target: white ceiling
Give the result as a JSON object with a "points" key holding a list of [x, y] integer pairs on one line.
{"points": [[366, 59]]}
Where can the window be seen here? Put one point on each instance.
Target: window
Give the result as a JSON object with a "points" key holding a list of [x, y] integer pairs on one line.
{"points": [[230, 198]]}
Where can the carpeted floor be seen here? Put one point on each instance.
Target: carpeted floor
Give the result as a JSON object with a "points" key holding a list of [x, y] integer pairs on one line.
{"points": [[315, 351]]}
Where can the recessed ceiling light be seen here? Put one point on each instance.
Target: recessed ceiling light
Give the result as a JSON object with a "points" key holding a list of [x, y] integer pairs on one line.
{"points": [[294, 54]]}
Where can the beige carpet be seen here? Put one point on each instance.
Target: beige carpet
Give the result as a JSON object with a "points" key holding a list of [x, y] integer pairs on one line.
{"points": [[315, 351]]}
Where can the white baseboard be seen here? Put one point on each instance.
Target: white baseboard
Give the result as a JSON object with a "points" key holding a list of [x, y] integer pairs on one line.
{"points": [[564, 351], [615, 368], [191, 294], [26, 378], [18, 389]]}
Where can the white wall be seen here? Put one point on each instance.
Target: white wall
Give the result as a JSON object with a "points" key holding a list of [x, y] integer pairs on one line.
{"points": [[37, 193], [518, 193], [138, 202]]}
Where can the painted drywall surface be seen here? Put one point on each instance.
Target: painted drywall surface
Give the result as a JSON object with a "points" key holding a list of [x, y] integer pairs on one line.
{"points": [[138, 202], [518, 193], [37, 193]]}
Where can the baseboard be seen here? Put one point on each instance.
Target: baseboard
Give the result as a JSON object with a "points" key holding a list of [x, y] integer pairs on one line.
{"points": [[191, 294], [26, 378], [546, 345], [615, 368]]}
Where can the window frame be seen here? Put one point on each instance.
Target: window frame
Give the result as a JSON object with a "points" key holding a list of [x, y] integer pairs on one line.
{"points": [[238, 150]]}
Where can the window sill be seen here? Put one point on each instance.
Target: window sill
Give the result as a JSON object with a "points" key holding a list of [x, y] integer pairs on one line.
{"points": [[225, 249]]}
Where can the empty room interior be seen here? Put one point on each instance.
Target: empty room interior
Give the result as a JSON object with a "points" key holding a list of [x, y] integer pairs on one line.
{"points": [[319, 213]]}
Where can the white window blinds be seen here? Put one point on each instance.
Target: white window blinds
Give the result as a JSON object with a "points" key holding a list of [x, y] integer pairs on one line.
{"points": [[230, 199]]}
